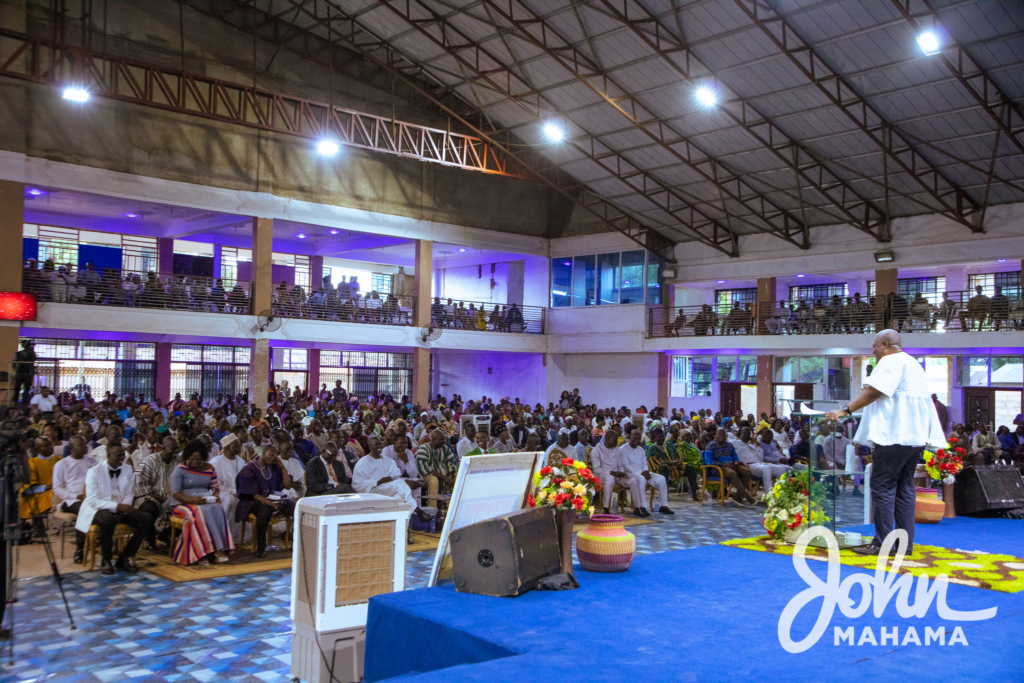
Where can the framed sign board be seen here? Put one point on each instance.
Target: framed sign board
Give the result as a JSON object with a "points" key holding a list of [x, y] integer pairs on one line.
{"points": [[486, 486]]}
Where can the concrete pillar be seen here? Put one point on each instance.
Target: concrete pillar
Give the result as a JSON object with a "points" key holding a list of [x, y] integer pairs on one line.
{"points": [[664, 379], [12, 228], [886, 280], [162, 388], [313, 368], [765, 302], [259, 372], [165, 255], [421, 375], [516, 282], [216, 261], [765, 385], [421, 282], [316, 273], [262, 266]]}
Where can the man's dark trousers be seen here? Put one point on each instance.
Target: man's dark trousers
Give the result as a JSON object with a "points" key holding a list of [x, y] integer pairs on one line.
{"points": [[892, 490]]}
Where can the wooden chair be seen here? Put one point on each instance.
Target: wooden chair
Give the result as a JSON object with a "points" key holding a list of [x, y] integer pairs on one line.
{"points": [[122, 532], [276, 519], [177, 524], [708, 476]]}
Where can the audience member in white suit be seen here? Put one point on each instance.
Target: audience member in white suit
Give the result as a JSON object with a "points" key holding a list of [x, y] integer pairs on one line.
{"points": [[634, 461], [607, 462], [108, 502]]}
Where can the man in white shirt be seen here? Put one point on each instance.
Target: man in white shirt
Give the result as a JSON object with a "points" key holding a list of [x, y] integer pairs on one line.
{"points": [[466, 443], [227, 465], [899, 420], [69, 484], [108, 502], [294, 467], [44, 401], [607, 464], [403, 457], [634, 461], [377, 474], [750, 454]]}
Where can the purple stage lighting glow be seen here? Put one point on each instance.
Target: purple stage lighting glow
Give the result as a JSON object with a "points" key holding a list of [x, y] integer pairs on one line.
{"points": [[131, 215], [35, 192]]}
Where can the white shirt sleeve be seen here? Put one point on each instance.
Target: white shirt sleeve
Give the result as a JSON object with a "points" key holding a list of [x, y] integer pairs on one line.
{"points": [[886, 376], [60, 486], [365, 474]]}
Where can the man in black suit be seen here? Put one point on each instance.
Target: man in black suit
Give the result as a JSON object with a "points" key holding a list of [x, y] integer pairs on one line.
{"points": [[327, 475]]}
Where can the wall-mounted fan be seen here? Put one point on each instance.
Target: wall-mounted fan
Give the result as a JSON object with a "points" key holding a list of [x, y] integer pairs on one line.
{"points": [[268, 322], [429, 334]]}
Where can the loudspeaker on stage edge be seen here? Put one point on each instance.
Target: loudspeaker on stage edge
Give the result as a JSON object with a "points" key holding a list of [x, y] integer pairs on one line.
{"points": [[507, 555], [987, 488]]}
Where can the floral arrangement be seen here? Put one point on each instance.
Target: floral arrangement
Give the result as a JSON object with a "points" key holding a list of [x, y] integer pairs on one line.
{"points": [[569, 485], [792, 502], [945, 463]]}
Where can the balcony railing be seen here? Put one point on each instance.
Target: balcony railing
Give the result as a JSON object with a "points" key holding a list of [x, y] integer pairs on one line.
{"points": [[130, 289], [167, 291], [958, 312], [487, 317]]}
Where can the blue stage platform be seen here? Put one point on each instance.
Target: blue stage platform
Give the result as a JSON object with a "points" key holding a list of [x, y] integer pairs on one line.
{"points": [[704, 614]]}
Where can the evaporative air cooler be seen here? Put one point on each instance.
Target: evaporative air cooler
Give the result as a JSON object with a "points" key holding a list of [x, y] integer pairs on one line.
{"points": [[348, 548]]}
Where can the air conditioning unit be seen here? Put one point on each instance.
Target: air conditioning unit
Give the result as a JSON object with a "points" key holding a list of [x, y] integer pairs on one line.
{"points": [[347, 549]]}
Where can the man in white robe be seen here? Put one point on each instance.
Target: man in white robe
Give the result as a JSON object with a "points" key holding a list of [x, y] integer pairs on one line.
{"points": [[403, 457], [750, 454], [607, 466], [634, 461], [376, 474], [227, 465]]}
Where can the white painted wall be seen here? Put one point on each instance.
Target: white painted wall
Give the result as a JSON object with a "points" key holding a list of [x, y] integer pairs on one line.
{"points": [[474, 374], [536, 278], [619, 379], [473, 283]]}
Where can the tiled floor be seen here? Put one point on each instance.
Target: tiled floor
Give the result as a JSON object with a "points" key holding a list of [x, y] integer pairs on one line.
{"points": [[143, 628]]}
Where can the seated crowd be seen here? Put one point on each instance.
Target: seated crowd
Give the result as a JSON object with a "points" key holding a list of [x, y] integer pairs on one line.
{"points": [[205, 469], [854, 315]]}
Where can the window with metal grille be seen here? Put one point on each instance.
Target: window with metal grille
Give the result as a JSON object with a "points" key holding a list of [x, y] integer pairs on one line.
{"points": [[1009, 282], [931, 288], [812, 293], [368, 373], [96, 367], [382, 283], [208, 370], [726, 299]]}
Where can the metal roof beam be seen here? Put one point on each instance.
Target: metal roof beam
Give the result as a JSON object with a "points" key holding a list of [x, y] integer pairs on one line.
{"points": [[1007, 116], [950, 198]]}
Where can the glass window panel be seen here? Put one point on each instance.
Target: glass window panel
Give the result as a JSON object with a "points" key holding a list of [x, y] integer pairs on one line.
{"points": [[1007, 408], [812, 370], [937, 372], [1007, 371], [786, 369], [583, 281], [561, 282], [654, 280], [681, 375], [1009, 282], [812, 293], [838, 378], [632, 291], [726, 369], [973, 371], [702, 375], [747, 369], [725, 299], [608, 278]]}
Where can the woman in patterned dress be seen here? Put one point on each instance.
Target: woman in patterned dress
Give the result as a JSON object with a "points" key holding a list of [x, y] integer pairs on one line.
{"points": [[194, 495]]}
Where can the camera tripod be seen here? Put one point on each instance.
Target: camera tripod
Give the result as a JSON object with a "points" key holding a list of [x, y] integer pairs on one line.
{"points": [[11, 537]]}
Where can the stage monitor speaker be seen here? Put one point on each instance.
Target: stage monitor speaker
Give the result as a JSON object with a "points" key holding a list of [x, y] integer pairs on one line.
{"points": [[987, 488], [505, 556]]}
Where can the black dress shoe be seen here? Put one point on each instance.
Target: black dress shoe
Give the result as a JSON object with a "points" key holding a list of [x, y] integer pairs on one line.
{"points": [[638, 512], [79, 556], [877, 550], [665, 510], [125, 565], [260, 554], [644, 512], [107, 569]]}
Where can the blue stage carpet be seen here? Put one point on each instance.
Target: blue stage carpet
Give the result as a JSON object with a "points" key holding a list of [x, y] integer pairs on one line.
{"points": [[704, 614]]}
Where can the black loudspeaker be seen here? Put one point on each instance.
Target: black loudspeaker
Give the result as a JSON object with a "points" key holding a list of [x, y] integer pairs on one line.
{"points": [[505, 556], [987, 488]]}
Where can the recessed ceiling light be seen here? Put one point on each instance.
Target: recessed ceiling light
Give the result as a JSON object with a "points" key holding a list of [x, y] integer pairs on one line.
{"points": [[327, 148], [801, 275], [554, 132], [721, 282], [301, 235], [566, 263], [131, 215], [707, 96], [76, 94], [1002, 260], [36, 192], [465, 250], [929, 43], [334, 232]]}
